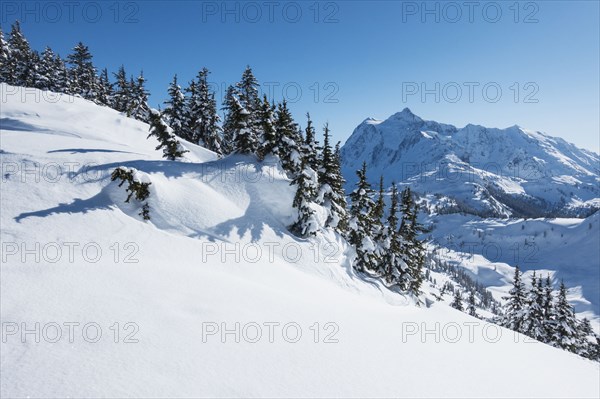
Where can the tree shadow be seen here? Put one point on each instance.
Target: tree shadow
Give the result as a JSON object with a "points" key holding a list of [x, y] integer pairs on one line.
{"points": [[86, 150], [99, 201]]}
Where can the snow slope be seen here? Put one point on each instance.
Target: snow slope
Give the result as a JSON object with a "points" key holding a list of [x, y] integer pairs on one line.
{"points": [[215, 253]]}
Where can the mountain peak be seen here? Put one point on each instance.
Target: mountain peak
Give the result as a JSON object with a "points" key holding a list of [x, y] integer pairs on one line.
{"points": [[406, 115]]}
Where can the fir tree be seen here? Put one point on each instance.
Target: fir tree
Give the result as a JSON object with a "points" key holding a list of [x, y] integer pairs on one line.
{"points": [[457, 300], [413, 250], [247, 90], [139, 108], [565, 329], [471, 309], [105, 90], [288, 142], [4, 58], [331, 192], [174, 112], [19, 66], [245, 140], [306, 186], [514, 308], [310, 148], [47, 74], [83, 73], [266, 126], [122, 91], [394, 267], [171, 147], [203, 120], [533, 315], [361, 223], [229, 130]]}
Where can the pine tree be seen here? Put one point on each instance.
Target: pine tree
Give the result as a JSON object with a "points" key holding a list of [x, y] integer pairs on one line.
{"points": [[83, 72], [471, 308], [457, 300], [379, 208], [310, 148], [548, 309], [229, 132], [361, 223], [331, 192], [585, 339], [413, 251], [247, 88], [514, 308], [245, 140], [105, 90], [122, 91], [266, 126], [62, 83], [288, 142], [174, 112], [533, 315], [306, 187], [138, 106], [19, 66], [171, 147], [4, 58], [46, 70], [565, 329], [202, 118], [394, 267]]}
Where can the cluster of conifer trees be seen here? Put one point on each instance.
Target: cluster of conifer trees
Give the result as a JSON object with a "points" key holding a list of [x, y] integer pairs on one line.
{"points": [[76, 75], [540, 313]]}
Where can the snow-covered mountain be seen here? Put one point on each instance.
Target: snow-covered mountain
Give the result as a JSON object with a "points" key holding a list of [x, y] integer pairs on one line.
{"points": [[194, 302], [485, 195], [484, 171]]}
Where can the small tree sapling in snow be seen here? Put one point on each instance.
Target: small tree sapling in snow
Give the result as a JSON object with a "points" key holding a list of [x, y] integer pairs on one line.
{"points": [[135, 188]]}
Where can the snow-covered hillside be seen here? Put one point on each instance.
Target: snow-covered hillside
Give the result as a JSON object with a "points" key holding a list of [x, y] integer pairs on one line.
{"points": [[212, 296], [490, 172]]}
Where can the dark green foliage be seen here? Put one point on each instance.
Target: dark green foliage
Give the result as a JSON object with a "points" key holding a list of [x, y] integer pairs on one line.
{"points": [[134, 188], [167, 140]]}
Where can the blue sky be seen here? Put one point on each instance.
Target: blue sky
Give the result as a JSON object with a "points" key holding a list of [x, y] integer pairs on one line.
{"points": [[344, 61]]}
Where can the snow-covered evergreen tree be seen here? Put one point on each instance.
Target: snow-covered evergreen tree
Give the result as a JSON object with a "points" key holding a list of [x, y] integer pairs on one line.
{"points": [[202, 117], [392, 263], [361, 223], [122, 91], [19, 67], [471, 304], [247, 89], [288, 140], [83, 72], [4, 58], [533, 311], [457, 300], [413, 250], [266, 126], [138, 107], [565, 323], [105, 89], [331, 192], [515, 306], [310, 148], [46, 73], [172, 149], [229, 129], [245, 140], [174, 112], [306, 183]]}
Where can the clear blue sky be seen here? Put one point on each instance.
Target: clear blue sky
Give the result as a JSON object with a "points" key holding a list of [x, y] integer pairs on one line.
{"points": [[367, 56]]}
